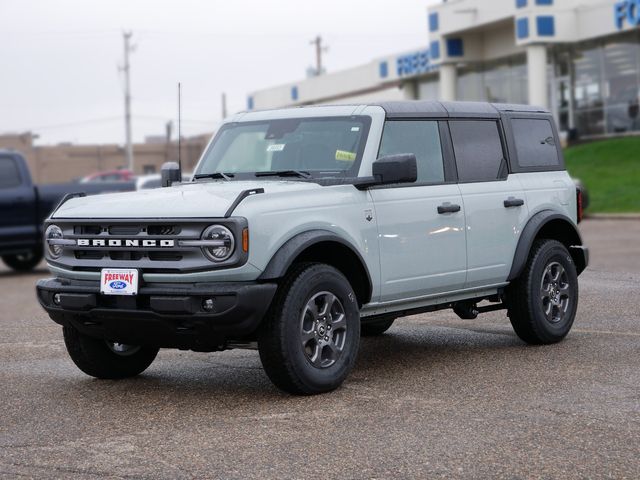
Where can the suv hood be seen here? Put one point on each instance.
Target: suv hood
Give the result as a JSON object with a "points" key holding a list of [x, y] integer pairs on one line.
{"points": [[190, 200]]}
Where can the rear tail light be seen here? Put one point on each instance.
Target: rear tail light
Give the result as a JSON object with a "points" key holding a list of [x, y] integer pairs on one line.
{"points": [[579, 204]]}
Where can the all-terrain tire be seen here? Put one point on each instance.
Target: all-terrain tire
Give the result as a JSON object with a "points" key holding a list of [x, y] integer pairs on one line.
{"points": [[97, 358], [543, 301], [309, 340]]}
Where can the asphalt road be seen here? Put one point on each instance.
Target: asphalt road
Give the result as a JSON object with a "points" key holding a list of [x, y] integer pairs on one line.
{"points": [[435, 397]]}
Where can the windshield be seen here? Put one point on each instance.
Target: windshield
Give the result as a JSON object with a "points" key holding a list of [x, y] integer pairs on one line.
{"points": [[317, 147]]}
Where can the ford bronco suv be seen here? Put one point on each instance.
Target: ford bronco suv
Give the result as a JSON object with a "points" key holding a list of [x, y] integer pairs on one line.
{"points": [[305, 228]]}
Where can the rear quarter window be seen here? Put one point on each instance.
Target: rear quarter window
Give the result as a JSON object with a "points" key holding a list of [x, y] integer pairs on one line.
{"points": [[535, 143]]}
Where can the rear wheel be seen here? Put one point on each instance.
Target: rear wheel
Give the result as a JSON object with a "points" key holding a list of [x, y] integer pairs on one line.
{"points": [[104, 359], [309, 341], [543, 301], [23, 262], [377, 327]]}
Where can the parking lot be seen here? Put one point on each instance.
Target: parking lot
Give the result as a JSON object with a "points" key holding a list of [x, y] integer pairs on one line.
{"points": [[435, 397]]}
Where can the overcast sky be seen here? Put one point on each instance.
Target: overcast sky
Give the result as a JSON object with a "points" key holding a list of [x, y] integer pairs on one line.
{"points": [[60, 79]]}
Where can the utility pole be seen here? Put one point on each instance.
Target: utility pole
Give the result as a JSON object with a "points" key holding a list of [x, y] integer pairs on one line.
{"points": [[128, 49], [319, 51]]}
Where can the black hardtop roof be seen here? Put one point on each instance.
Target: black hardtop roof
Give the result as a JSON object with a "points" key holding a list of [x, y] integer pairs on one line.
{"points": [[429, 108]]}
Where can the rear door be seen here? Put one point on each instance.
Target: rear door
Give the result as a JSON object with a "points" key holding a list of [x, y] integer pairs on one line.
{"points": [[494, 201], [422, 251], [17, 206]]}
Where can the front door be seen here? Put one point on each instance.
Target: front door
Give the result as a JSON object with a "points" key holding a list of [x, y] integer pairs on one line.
{"points": [[420, 226]]}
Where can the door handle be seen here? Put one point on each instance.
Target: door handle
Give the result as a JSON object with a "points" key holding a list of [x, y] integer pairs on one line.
{"points": [[448, 208], [513, 202]]}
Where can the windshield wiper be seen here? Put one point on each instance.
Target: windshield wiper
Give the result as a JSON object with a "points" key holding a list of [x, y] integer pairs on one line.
{"points": [[226, 176], [284, 173]]}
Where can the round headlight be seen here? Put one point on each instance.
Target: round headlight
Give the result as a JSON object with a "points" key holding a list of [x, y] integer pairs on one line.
{"points": [[223, 240], [53, 232]]}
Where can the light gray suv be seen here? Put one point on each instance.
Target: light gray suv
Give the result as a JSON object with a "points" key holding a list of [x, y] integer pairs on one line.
{"points": [[303, 229]]}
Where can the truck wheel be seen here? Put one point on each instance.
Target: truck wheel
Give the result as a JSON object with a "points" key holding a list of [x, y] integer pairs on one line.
{"points": [[109, 360], [23, 262], [309, 340], [376, 328], [543, 301]]}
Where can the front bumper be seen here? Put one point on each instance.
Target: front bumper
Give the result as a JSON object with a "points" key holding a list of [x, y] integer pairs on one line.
{"points": [[166, 315]]}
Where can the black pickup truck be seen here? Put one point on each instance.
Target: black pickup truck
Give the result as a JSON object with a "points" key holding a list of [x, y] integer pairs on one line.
{"points": [[24, 206]]}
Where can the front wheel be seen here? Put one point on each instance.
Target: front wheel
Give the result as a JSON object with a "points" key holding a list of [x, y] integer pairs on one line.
{"points": [[104, 359], [23, 262], [543, 301], [309, 341]]}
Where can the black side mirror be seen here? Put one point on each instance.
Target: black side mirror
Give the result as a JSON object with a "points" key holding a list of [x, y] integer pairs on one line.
{"points": [[170, 173], [401, 168]]}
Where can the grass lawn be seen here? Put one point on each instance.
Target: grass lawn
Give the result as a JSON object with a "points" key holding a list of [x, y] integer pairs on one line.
{"points": [[610, 169]]}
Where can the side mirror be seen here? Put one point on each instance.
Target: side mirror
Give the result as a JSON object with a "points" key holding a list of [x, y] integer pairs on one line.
{"points": [[401, 168], [170, 173]]}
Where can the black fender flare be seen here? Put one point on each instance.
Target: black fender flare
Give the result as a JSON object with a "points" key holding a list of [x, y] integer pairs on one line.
{"points": [[570, 236], [292, 248]]}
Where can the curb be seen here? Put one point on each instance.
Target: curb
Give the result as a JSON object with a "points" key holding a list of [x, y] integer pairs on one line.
{"points": [[613, 216]]}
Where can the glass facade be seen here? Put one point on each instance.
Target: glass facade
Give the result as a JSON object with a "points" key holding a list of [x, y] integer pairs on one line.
{"points": [[605, 80], [594, 86], [501, 81]]}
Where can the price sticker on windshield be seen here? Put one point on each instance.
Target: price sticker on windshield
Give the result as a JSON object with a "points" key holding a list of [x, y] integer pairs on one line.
{"points": [[119, 281]]}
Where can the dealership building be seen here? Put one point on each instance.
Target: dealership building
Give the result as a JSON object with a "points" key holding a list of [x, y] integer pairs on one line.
{"points": [[578, 58]]}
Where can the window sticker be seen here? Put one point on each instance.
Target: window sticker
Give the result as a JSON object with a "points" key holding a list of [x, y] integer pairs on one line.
{"points": [[276, 147], [355, 129], [344, 156]]}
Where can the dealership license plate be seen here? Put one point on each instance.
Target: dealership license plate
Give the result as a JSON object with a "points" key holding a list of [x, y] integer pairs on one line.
{"points": [[119, 281]]}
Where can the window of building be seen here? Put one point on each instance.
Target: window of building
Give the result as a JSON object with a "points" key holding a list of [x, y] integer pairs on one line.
{"points": [[478, 149], [420, 137], [498, 82], [148, 169], [429, 90], [535, 143], [622, 84], [588, 98], [9, 174]]}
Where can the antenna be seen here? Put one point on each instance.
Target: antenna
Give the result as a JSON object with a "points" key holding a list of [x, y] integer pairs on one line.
{"points": [[179, 127]]}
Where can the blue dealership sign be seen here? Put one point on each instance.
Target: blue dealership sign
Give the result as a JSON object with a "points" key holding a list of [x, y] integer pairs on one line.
{"points": [[414, 63], [627, 11]]}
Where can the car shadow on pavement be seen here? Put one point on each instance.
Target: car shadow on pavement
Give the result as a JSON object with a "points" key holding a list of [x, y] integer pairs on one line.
{"points": [[236, 376]]}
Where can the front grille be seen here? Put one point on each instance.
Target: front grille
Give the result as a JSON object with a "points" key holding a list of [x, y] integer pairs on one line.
{"points": [[158, 258]]}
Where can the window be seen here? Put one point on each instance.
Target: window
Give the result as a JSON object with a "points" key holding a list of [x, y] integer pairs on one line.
{"points": [[478, 150], [422, 138], [9, 174], [535, 143]]}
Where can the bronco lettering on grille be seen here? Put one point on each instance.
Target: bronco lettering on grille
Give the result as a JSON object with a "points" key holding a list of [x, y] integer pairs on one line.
{"points": [[124, 242]]}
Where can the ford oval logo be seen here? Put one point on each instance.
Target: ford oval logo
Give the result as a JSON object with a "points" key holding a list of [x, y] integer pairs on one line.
{"points": [[118, 285]]}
